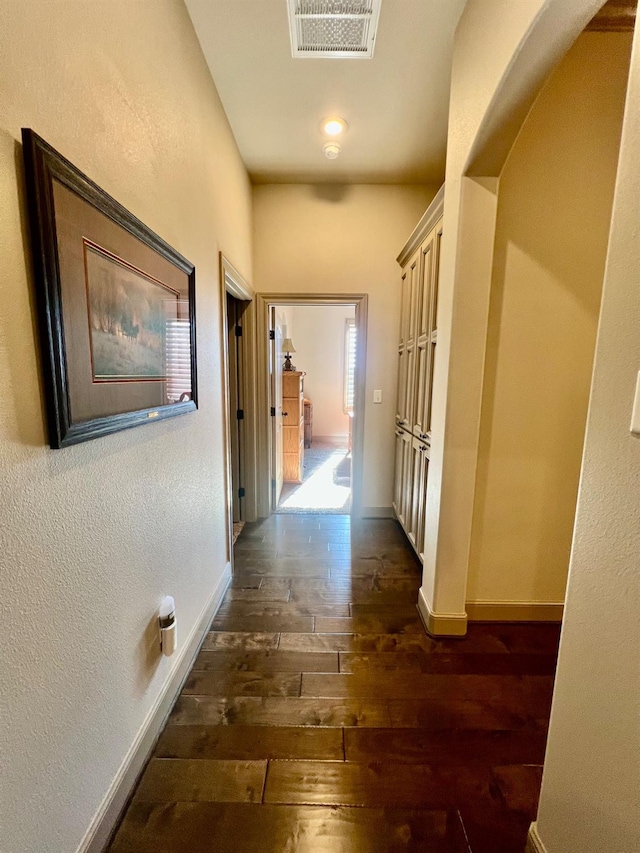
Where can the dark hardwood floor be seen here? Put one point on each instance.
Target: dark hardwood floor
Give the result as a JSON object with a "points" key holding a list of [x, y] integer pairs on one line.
{"points": [[319, 717]]}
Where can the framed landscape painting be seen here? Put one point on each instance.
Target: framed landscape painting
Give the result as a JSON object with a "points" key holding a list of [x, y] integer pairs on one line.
{"points": [[116, 306]]}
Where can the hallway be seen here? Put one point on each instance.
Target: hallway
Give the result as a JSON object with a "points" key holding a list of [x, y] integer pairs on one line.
{"points": [[320, 718]]}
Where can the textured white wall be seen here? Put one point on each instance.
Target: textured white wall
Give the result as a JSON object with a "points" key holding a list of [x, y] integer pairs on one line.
{"points": [[591, 788], [344, 239], [92, 537], [551, 240], [319, 341]]}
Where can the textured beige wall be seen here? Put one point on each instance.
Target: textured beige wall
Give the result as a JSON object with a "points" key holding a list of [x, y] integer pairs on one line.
{"points": [[344, 239], [503, 52], [319, 340], [550, 248], [91, 537], [591, 786]]}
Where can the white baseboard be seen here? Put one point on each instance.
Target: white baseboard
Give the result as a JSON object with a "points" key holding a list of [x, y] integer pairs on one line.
{"points": [[337, 440], [534, 842], [514, 611], [441, 624], [106, 819], [377, 512]]}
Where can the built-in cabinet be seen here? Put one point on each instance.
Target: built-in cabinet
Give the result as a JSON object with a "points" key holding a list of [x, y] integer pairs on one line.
{"points": [[293, 425], [420, 262]]}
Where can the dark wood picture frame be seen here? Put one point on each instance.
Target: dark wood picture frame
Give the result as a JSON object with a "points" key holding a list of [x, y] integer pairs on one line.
{"points": [[82, 404]]}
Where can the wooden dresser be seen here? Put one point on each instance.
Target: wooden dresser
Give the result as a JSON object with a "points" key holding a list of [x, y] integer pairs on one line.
{"points": [[293, 425]]}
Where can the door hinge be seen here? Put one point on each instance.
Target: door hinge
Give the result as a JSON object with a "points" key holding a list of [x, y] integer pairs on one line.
{"points": [[238, 331], [272, 335], [241, 493], [273, 411], [240, 414]]}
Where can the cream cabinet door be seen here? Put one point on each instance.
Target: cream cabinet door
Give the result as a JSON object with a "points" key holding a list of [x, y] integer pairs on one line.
{"points": [[423, 344], [421, 474], [416, 354], [417, 487], [402, 484], [407, 345]]}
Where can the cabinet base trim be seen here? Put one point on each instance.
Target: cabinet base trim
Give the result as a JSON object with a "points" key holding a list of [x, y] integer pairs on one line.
{"points": [[441, 624], [534, 843], [514, 611]]}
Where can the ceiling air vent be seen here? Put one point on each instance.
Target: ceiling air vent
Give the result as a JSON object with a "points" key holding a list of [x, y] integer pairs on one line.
{"points": [[339, 29]]}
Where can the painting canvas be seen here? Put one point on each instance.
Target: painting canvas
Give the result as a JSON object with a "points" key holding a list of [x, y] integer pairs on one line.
{"points": [[129, 312], [116, 306]]}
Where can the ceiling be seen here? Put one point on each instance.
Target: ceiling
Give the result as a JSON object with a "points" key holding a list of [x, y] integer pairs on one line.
{"points": [[396, 104]]}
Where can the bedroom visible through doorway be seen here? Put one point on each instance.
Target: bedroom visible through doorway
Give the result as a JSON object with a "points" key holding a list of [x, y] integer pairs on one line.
{"points": [[317, 406]]}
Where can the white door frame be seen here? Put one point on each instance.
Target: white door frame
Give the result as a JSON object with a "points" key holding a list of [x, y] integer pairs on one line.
{"points": [[263, 301]]}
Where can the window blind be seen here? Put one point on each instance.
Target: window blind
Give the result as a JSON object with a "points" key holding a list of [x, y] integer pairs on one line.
{"points": [[350, 345], [178, 342]]}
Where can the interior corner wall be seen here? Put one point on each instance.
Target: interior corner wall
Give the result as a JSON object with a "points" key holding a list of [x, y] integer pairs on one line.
{"points": [[94, 535], [554, 211], [345, 239], [590, 797], [319, 341], [502, 54]]}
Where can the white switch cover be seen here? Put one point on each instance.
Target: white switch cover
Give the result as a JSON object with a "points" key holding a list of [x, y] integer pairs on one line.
{"points": [[635, 414], [377, 396]]}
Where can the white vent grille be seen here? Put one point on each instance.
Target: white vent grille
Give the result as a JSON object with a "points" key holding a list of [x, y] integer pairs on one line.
{"points": [[333, 28]]}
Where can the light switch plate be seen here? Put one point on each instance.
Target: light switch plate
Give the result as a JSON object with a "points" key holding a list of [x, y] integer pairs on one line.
{"points": [[635, 414], [377, 396]]}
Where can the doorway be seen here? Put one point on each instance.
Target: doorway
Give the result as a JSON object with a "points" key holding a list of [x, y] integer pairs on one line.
{"points": [[235, 311], [237, 321], [312, 379], [313, 441]]}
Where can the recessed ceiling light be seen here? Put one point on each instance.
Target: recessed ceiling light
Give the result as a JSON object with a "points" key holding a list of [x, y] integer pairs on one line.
{"points": [[331, 150], [334, 126]]}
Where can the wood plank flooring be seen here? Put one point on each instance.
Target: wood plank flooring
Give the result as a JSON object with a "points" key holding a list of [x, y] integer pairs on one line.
{"points": [[319, 717]]}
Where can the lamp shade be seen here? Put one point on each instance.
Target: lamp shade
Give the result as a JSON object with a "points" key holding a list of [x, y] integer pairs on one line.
{"points": [[287, 345]]}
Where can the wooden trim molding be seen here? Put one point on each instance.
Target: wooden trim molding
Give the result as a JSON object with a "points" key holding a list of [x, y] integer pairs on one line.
{"points": [[106, 820], [441, 624], [514, 611], [534, 842], [616, 16], [233, 283], [426, 223]]}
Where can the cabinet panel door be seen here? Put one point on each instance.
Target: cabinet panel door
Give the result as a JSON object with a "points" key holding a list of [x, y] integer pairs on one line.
{"points": [[425, 287], [398, 476], [406, 348], [423, 347], [407, 494], [401, 402], [402, 484], [420, 485], [417, 487], [423, 351], [411, 352], [407, 288], [432, 329]]}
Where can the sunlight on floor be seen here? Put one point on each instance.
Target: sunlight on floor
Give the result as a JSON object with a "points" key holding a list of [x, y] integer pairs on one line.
{"points": [[319, 491]]}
